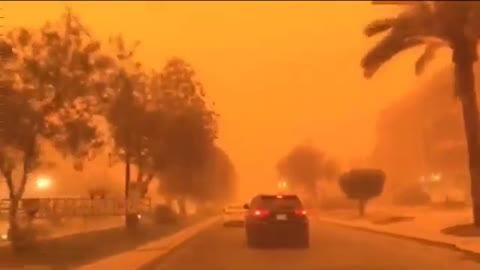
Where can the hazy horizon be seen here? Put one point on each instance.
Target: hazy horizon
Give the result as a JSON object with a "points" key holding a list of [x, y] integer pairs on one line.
{"points": [[271, 68]]}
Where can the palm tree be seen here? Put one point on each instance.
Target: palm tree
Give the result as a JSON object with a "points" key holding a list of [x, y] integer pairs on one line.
{"points": [[435, 24]]}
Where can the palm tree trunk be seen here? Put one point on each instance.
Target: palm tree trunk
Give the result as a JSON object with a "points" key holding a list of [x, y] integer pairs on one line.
{"points": [[465, 88]]}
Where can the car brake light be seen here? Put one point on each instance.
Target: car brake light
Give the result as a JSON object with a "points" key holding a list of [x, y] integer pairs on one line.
{"points": [[260, 213], [301, 212]]}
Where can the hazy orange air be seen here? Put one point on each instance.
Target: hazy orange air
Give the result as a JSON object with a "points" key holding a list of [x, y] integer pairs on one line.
{"points": [[279, 73]]}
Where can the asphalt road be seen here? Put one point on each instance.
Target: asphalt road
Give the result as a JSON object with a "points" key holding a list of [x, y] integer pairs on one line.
{"points": [[332, 248]]}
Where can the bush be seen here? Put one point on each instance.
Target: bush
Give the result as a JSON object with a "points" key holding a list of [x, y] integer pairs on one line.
{"points": [[208, 210], [97, 193], [132, 221], [450, 204], [412, 196], [163, 214], [22, 238], [362, 185]]}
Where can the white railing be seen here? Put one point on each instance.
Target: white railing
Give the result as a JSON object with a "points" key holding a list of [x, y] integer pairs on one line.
{"points": [[75, 207]]}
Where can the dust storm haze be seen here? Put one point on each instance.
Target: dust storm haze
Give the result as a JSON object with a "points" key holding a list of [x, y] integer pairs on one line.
{"points": [[279, 73], [204, 135]]}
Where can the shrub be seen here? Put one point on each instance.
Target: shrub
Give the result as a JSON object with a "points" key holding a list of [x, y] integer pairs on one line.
{"points": [[336, 203], [412, 196], [362, 185], [163, 214]]}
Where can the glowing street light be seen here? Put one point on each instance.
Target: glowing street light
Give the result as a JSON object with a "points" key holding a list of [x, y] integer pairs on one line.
{"points": [[43, 183], [282, 185], [436, 177]]}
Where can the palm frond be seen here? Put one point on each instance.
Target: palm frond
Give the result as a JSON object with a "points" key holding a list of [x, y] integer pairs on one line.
{"points": [[406, 31], [427, 57], [378, 26], [387, 48]]}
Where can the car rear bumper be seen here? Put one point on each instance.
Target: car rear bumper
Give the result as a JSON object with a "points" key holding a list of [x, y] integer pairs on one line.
{"points": [[233, 219], [278, 230]]}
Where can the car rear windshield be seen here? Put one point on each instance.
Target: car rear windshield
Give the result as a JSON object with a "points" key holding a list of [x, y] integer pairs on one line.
{"points": [[285, 201]]}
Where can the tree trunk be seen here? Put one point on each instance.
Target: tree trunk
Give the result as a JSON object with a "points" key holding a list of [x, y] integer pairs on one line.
{"points": [[465, 89], [16, 235], [182, 206], [13, 230], [127, 174], [139, 174], [361, 207], [138, 155], [169, 201], [130, 218], [146, 184]]}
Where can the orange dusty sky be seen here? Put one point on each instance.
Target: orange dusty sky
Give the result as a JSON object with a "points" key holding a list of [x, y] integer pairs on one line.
{"points": [[279, 72]]}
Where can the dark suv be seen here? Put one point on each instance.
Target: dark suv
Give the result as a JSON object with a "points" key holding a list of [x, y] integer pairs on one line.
{"points": [[276, 218]]}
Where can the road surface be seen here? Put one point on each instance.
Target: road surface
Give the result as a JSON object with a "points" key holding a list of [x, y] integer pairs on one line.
{"points": [[332, 248]]}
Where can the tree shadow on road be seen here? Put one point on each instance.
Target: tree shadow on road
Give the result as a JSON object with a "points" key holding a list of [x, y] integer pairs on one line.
{"points": [[465, 230], [462, 230], [79, 249]]}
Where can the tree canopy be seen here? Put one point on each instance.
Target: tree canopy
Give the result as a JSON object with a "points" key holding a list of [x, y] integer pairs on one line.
{"points": [[59, 81], [362, 185], [304, 165], [437, 24]]}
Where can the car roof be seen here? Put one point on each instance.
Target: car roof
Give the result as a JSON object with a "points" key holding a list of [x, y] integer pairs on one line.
{"points": [[277, 195], [235, 206]]}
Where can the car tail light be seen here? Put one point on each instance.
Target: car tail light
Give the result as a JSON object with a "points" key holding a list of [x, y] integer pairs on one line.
{"points": [[260, 213], [300, 212]]}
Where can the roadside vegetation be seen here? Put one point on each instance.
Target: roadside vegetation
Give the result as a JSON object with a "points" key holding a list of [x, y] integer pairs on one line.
{"points": [[61, 86]]}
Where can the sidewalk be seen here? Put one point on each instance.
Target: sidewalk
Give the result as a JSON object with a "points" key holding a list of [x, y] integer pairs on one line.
{"points": [[447, 227], [143, 255]]}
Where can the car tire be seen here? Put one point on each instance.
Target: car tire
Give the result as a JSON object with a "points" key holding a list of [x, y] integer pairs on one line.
{"points": [[304, 241], [252, 241]]}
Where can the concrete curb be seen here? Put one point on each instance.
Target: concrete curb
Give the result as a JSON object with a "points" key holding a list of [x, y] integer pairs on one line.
{"points": [[143, 255], [424, 240]]}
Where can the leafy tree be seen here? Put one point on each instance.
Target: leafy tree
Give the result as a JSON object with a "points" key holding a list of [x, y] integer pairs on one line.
{"points": [[188, 133], [50, 79], [159, 121], [216, 182], [126, 113], [362, 185], [304, 165], [435, 24], [412, 195]]}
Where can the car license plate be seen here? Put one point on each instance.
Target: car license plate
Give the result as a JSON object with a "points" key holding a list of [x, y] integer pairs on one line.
{"points": [[282, 217]]}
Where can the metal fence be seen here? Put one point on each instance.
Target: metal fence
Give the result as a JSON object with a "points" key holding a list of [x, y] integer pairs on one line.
{"points": [[77, 207]]}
